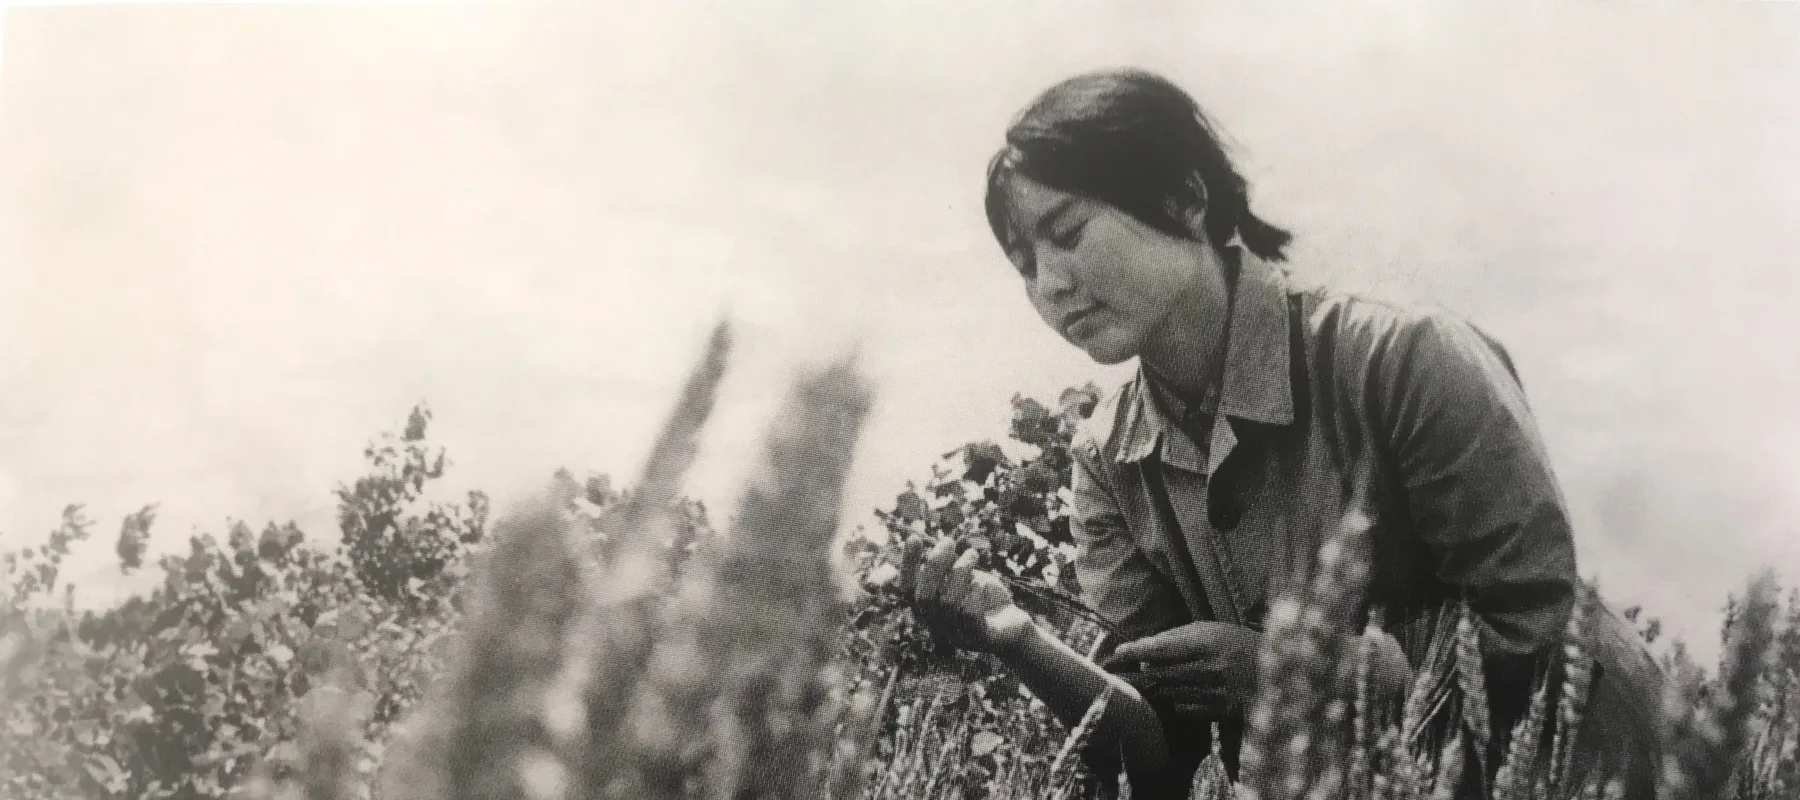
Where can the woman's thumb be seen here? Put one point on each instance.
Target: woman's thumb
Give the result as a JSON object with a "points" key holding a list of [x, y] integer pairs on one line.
{"points": [[1128, 652], [1177, 644], [912, 554]]}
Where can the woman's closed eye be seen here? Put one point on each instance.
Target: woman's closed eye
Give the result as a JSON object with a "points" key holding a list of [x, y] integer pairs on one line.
{"points": [[1069, 237], [1024, 262]]}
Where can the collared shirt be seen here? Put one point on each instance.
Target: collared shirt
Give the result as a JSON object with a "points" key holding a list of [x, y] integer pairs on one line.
{"points": [[1317, 387], [1193, 417], [1255, 395]]}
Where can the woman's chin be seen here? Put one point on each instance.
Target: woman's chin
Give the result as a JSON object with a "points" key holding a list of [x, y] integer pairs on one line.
{"points": [[1107, 353]]}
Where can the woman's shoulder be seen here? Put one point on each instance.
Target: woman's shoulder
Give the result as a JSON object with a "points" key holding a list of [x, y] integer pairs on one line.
{"points": [[1390, 353], [1363, 326], [1344, 309]]}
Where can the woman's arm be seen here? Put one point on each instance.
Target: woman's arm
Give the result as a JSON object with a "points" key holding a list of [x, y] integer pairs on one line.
{"points": [[1481, 491], [971, 608], [1068, 683], [1199, 668], [1117, 579]]}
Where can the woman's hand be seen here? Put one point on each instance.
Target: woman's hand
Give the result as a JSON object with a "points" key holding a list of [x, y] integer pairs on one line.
{"points": [[1205, 668], [1210, 668], [964, 606], [971, 608]]}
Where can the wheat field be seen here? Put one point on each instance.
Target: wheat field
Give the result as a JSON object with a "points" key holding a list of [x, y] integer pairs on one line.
{"points": [[635, 653]]}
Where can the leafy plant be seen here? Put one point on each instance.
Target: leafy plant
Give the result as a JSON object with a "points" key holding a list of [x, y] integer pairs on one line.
{"points": [[597, 642]]}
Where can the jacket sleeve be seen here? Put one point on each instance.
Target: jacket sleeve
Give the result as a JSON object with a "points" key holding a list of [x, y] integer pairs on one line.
{"points": [[1117, 579], [1479, 484]]}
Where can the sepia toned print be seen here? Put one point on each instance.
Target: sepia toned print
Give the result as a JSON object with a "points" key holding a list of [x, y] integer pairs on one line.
{"points": [[1342, 455]]}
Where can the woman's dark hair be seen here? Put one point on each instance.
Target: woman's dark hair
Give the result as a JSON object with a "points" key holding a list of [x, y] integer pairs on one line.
{"points": [[1135, 141]]}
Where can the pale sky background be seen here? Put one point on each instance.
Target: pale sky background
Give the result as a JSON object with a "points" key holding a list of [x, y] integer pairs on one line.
{"points": [[238, 241]]}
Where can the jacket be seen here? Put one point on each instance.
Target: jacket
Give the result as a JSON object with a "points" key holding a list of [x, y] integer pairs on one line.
{"points": [[1319, 386]]}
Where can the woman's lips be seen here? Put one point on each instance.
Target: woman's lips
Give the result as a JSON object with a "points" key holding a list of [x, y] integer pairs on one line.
{"points": [[1074, 321]]}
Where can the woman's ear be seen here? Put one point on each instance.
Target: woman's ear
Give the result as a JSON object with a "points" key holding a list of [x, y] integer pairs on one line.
{"points": [[1196, 215], [1196, 223]]}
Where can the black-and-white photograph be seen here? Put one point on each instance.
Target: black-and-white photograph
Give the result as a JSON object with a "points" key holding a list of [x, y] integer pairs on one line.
{"points": [[782, 400]]}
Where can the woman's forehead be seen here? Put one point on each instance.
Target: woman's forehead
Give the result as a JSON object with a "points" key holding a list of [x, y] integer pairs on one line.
{"points": [[1032, 209], [1032, 202]]}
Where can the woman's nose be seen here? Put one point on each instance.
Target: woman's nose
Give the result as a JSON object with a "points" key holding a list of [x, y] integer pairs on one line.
{"points": [[1056, 275]]}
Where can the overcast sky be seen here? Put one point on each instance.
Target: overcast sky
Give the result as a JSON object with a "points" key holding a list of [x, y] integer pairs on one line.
{"points": [[237, 241]]}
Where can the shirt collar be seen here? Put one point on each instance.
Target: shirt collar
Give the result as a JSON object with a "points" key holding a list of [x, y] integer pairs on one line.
{"points": [[1256, 383]]}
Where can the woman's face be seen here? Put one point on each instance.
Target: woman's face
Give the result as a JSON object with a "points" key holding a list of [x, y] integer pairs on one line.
{"points": [[1104, 281]]}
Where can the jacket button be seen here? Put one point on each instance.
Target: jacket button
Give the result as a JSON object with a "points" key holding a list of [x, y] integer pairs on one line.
{"points": [[1228, 518]]}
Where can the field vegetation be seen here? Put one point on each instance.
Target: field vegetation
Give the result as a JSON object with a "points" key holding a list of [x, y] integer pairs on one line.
{"points": [[600, 641]]}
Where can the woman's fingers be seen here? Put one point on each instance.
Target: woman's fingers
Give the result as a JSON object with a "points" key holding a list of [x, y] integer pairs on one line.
{"points": [[1186, 643], [1392, 672], [1187, 688], [956, 586], [1170, 645], [987, 593], [933, 572], [1184, 677], [912, 556]]}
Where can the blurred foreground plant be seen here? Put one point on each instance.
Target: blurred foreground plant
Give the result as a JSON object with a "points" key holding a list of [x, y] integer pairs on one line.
{"points": [[572, 681], [1310, 739], [609, 646]]}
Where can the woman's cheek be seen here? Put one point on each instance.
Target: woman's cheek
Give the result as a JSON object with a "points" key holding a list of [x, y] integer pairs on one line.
{"points": [[1045, 310]]}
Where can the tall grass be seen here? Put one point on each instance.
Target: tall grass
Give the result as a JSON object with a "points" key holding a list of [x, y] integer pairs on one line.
{"points": [[616, 677]]}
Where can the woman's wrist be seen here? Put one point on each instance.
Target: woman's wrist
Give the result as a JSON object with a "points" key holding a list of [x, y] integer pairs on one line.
{"points": [[1011, 631]]}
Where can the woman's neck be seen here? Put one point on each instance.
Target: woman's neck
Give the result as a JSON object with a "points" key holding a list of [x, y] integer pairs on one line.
{"points": [[1187, 353]]}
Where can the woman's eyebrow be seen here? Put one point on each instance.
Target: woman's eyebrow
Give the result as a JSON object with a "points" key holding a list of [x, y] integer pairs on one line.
{"points": [[1050, 218]]}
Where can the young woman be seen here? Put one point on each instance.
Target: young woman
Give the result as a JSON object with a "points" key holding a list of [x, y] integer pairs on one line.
{"points": [[1210, 477]]}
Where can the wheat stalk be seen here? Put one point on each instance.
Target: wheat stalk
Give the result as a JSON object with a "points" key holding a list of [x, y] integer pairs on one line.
{"points": [[1706, 740], [1292, 747], [611, 638], [1065, 770], [486, 728], [575, 684], [1516, 779], [1573, 695], [747, 665]]}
